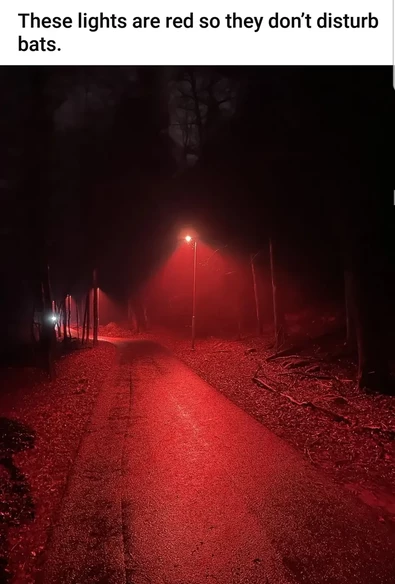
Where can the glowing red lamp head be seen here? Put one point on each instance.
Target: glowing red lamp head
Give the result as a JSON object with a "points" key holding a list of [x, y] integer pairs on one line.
{"points": [[188, 238]]}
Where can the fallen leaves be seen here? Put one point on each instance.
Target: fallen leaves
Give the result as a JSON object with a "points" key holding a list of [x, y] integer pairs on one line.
{"points": [[56, 414], [368, 455]]}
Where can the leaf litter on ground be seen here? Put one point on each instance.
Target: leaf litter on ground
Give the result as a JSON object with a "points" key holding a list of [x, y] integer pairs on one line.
{"points": [[57, 412], [365, 458]]}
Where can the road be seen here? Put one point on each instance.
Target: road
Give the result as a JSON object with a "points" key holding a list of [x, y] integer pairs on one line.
{"points": [[174, 484]]}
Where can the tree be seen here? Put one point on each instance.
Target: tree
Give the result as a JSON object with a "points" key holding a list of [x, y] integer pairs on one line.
{"points": [[95, 309], [37, 182], [200, 99], [278, 310]]}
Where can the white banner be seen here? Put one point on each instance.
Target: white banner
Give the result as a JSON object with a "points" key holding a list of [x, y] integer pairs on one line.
{"points": [[200, 32]]}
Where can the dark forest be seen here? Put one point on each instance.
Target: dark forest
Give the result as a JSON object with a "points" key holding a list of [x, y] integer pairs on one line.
{"points": [[100, 165], [197, 325]]}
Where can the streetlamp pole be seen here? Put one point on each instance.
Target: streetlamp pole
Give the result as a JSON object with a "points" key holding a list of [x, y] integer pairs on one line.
{"points": [[194, 293], [256, 296]]}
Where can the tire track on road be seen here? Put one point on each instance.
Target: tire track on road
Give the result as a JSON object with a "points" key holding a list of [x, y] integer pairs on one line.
{"points": [[88, 539]]}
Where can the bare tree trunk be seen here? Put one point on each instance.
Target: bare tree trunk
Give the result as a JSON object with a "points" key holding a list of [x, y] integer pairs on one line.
{"points": [[138, 320], [350, 326], [38, 195], [256, 296], [64, 319], [368, 269], [145, 315], [84, 324], [56, 311], [95, 309], [33, 327], [69, 315], [373, 363], [77, 319], [139, 313], [88, 315], [199, 122], [278, 314], [132, 317], [48, 335]]}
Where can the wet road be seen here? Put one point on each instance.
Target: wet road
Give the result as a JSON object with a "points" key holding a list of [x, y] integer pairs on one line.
{"points": [[173, 484]]}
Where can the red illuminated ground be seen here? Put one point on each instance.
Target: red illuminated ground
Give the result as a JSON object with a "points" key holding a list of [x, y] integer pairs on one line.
{"points": [[361, 460], [57, 412], [141, 472], [175, 484]]}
